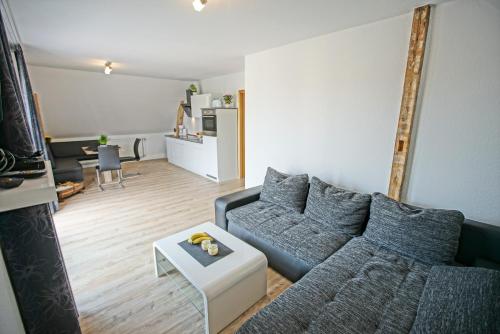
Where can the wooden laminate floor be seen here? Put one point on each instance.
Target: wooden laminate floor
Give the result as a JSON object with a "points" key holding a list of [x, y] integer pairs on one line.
{"points": [[106, 240]]}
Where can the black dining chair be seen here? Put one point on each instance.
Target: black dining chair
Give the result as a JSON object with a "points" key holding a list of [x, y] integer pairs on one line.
{"points": [[109, 160], [136, 157]]}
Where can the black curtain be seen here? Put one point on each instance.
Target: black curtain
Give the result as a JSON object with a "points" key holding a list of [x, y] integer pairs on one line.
{"points": [[29, 103], [14, 132], [28, 237]]}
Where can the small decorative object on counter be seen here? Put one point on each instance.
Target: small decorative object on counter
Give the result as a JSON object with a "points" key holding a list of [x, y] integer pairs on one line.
{"points": [[213, 249], [182, 130], [193, 89], [103, 139], [228, 100], [205, 244], [216, 103]]}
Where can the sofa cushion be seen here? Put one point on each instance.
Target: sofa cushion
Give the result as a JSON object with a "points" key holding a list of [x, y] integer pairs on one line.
{"points": [[362, 288], [428, 235], [283, 262], [67, 165], [459, 300], [345, 210], [253, 214], [289, 191], [67, 169], [300, 241]]}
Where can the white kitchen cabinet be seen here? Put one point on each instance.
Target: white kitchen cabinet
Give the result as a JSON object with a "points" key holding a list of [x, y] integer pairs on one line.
{"points": [[200, 101], [168, 148], [175, 151], [227, 143], [193, 157], [216, 158], [210, 157], [199, 158], [178, 153], [186, 154]]}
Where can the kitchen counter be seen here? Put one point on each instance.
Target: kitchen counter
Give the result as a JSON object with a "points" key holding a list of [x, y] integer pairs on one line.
{"points": [[215, 158], [210, 157], [192, 139]]}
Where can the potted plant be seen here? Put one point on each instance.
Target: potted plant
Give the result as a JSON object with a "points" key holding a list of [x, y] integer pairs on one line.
{"points": [[103, 139], [193, 89], [228, 100]]}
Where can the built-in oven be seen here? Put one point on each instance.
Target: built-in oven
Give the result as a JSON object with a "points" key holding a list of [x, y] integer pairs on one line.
{"points": [[209, 122]]}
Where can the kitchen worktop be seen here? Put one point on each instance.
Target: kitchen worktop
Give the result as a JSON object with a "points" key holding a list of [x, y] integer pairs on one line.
{"points": [[195, 140], [213, 157]]}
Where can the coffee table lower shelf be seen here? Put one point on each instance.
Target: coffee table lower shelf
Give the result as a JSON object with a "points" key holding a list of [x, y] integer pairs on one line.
{"points": [[165, 268], [224, 289]]}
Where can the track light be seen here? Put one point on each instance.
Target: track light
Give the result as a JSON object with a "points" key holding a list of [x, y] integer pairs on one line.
{"points": [[198, 5], [107, 68]]}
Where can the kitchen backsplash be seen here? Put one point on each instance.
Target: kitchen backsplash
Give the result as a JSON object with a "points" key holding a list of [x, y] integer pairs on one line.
{"points": [[192, 124]]}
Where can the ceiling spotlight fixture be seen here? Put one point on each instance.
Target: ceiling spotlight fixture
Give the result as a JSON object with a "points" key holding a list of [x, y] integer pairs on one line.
{"points": [[198, 5], [107, 68]]}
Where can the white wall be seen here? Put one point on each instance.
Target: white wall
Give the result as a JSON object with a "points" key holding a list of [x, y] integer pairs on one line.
{"points": [[329, 106], [457, 149], [217, 86], [152, 145], [78, 103], [10, 319], [225, 84]]}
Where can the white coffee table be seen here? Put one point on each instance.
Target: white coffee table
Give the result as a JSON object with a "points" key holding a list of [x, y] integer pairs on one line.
{"points": [[222, 290]]}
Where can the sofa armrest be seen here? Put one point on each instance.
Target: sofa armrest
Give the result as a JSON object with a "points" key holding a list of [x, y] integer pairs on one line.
{"points": [[479, 245], [225, 203]]}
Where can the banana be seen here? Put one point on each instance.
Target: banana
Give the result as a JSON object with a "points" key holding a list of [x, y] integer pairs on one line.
{"points": [[200, 239], [196, 236], [199, 234]]}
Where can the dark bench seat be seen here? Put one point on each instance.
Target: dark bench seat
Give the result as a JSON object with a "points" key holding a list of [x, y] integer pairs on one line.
{"points": [[64, 157]]}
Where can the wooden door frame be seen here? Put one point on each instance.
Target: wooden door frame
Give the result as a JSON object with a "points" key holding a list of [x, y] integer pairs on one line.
{"points": [[241, 133]]}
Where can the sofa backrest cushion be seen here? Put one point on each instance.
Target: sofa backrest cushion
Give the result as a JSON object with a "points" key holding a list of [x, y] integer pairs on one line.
{"points": [[459, 300], [71, 148], [289, 191], [427, 235], [342, 209]]}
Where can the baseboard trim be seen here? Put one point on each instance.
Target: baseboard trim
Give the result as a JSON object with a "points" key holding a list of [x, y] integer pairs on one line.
{"points": [[154, 156]]}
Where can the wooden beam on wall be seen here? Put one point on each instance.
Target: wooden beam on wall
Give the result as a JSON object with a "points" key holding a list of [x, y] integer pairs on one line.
{"points": [[416, 51]]}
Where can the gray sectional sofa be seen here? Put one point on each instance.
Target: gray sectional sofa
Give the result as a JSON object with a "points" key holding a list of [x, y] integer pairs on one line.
{"points": [[365, 263]]}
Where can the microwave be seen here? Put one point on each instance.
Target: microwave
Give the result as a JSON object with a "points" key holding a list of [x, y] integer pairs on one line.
{"points": [[209, 122]]}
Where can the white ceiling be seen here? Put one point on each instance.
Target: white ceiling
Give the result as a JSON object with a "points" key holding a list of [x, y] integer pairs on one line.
{"points": [[167, 38]]}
